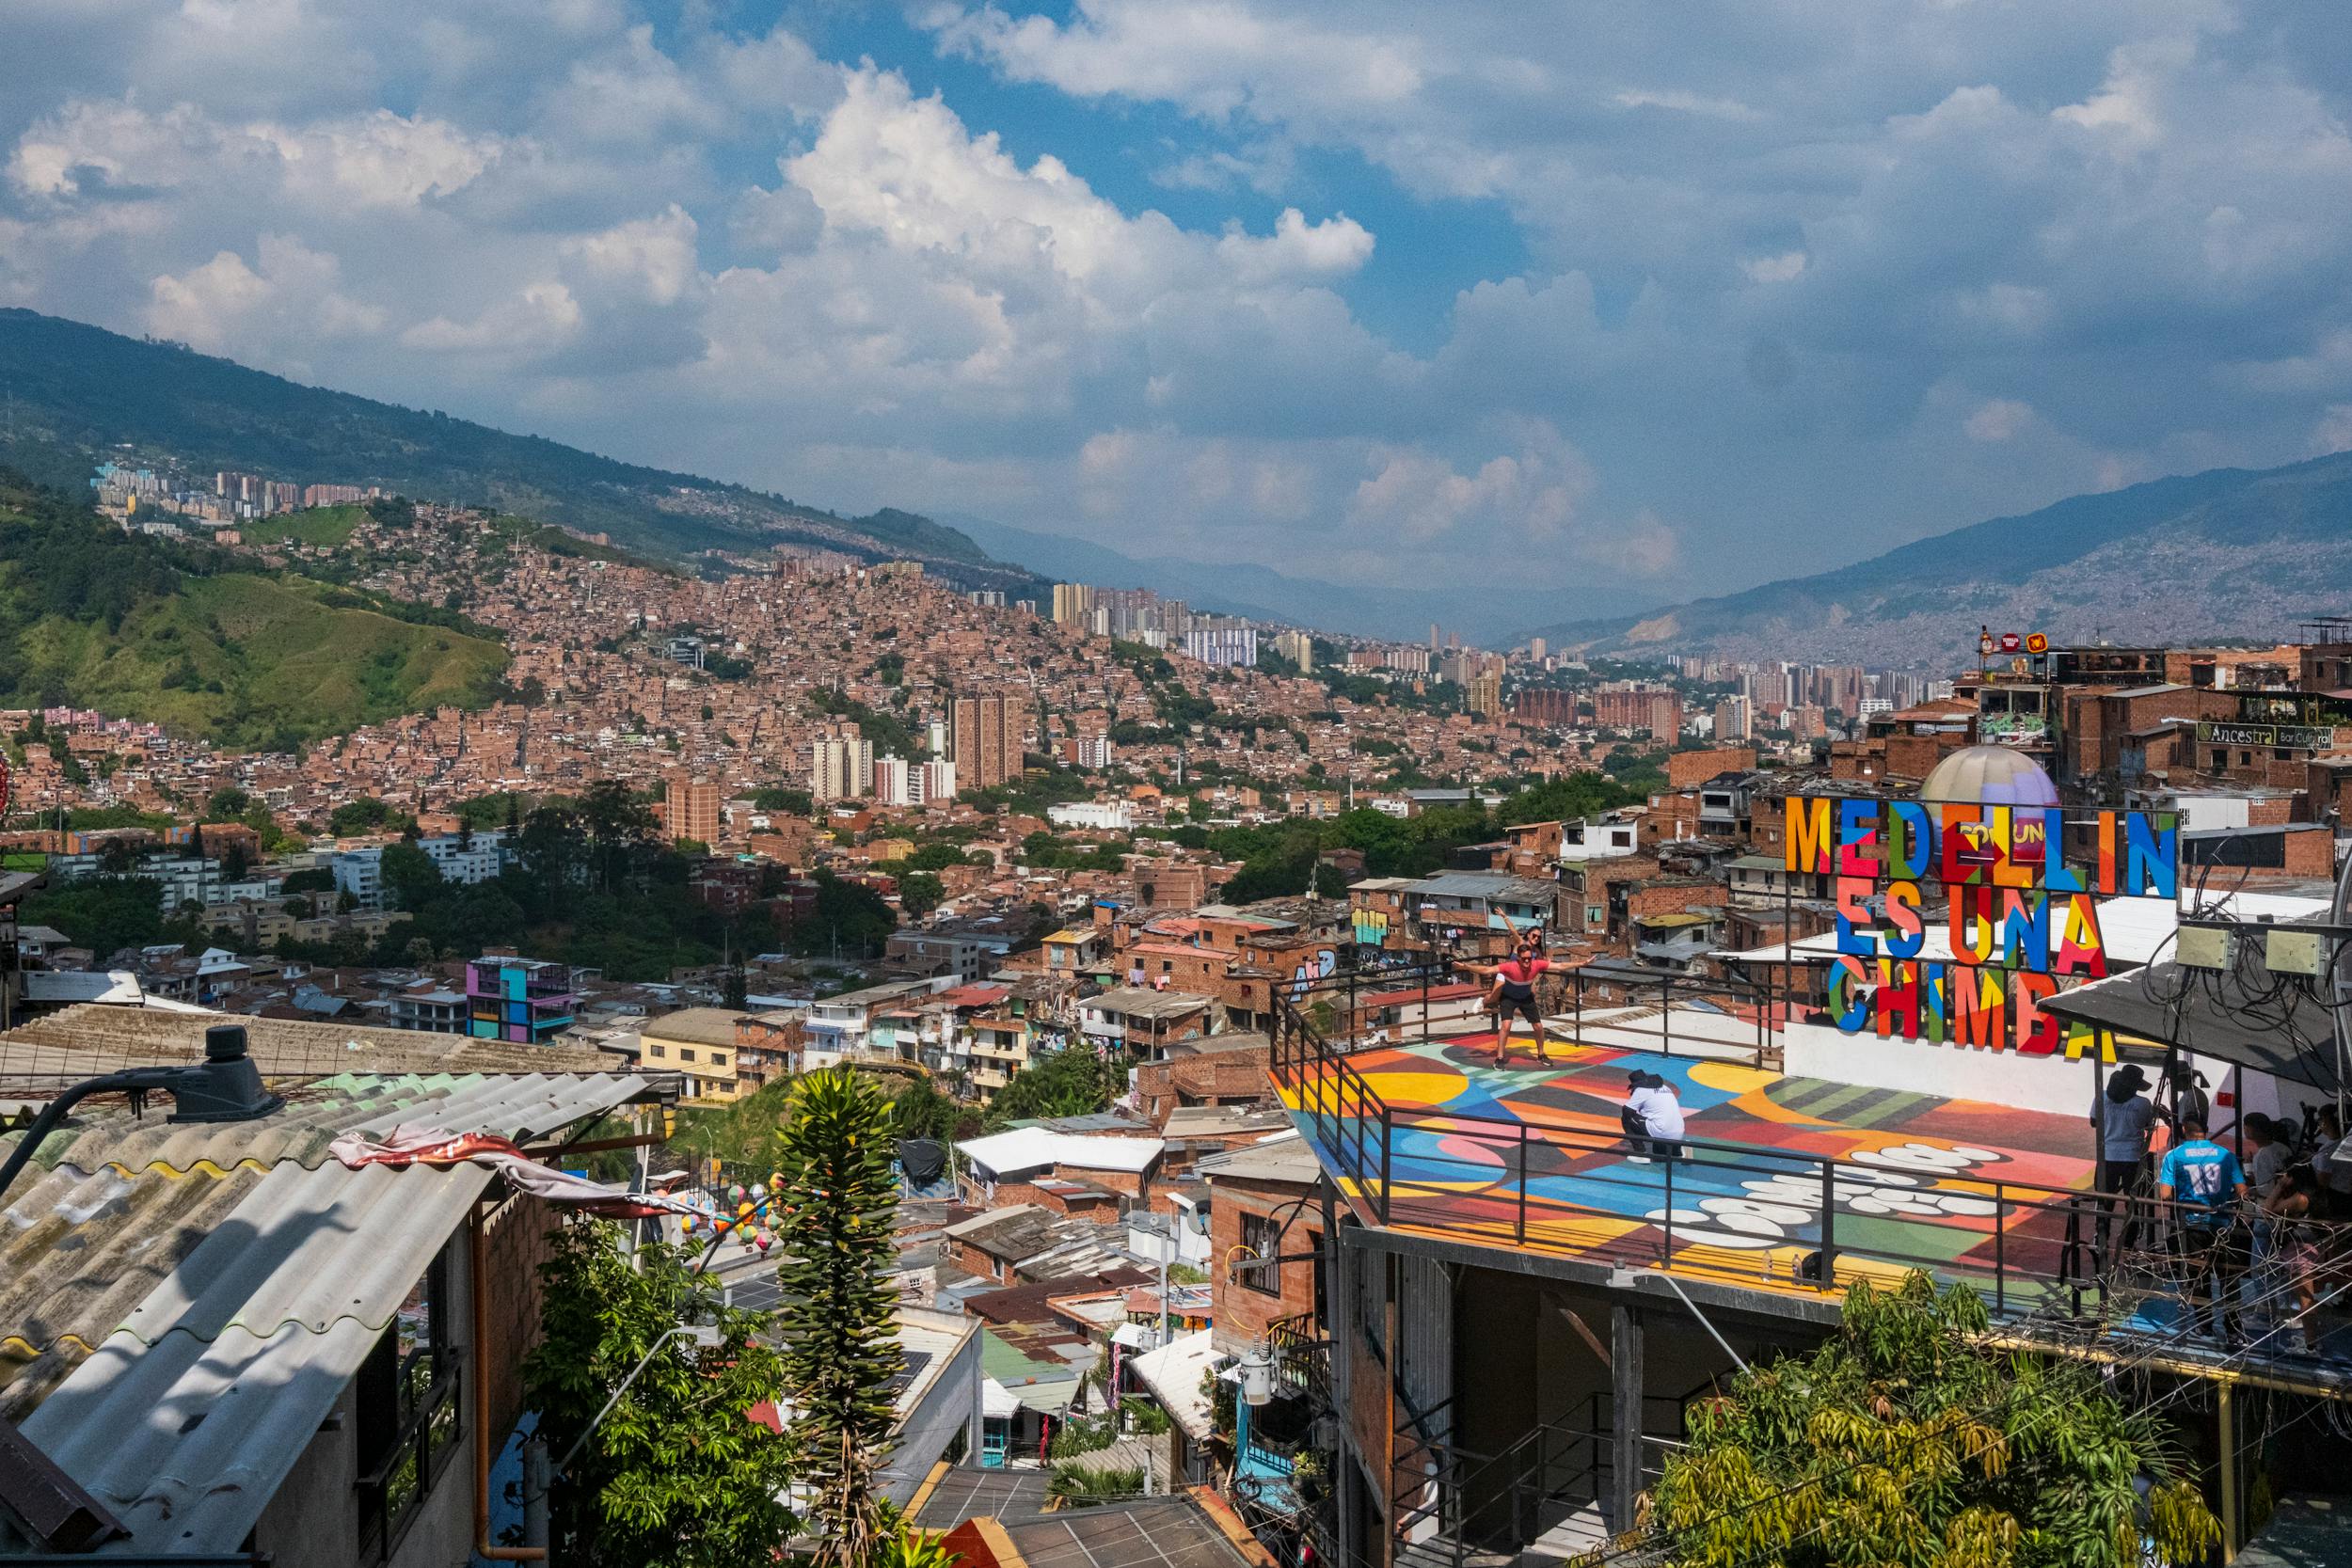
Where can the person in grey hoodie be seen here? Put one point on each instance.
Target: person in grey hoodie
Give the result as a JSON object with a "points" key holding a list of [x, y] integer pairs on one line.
{"points": [[2122, 1118]]}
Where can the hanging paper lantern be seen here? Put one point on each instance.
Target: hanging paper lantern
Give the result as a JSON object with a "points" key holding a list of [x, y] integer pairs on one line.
{"points": [[766, 1241], [760, 1190], [736, 1191], [720, 1225], [686, 1226]]}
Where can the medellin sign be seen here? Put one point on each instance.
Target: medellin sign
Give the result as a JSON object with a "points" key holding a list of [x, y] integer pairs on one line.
{"points": [[2023, 916]]}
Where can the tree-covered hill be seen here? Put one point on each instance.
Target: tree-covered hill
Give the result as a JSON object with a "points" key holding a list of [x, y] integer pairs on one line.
{"points": [[204, 643], [78, 392]]}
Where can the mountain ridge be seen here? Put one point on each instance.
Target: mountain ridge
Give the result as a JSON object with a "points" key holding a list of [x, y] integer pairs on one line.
{"points": [[2227, 554], [78, 391], [1261, 592]]}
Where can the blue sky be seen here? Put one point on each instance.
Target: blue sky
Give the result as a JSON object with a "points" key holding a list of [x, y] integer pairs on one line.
{"points": [[1656, 299]]}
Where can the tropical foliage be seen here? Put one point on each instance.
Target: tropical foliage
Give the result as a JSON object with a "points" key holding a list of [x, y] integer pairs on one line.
{"points": [[675, 1477], [840, 1346], [1906, 1442]]}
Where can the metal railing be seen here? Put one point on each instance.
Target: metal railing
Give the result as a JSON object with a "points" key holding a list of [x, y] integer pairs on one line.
{"points": [[1573, 1192]]}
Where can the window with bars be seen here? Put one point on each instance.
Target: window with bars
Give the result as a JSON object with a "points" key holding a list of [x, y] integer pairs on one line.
{"points": [[406, 1411]]}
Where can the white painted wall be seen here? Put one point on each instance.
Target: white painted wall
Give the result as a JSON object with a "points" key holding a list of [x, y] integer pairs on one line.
{"points": [[2050, 1083]]}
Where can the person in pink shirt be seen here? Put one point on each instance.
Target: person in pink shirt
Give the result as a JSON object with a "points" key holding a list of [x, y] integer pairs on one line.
{"points": [[1514, 995]]}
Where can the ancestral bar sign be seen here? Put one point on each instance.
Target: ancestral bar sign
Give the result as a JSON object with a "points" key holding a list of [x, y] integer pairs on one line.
{"points": [[2023, 916]]}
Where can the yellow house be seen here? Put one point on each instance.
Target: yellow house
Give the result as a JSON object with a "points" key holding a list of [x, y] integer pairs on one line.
{"points": [[700, 1043]]}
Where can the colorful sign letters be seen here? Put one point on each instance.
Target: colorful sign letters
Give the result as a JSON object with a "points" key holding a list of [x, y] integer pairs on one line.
{"points": [[2023, 916]]}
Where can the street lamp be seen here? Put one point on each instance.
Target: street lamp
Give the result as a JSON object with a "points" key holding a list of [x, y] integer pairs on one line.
{"points": [[225, 1086]]}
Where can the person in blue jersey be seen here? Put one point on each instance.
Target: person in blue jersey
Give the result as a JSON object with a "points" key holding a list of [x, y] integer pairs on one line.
{"points": [[2204, 1186]]}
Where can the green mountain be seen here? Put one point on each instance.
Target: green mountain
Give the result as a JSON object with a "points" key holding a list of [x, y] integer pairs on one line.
{"points": [[79, 392], [197, 640], [2230, 555]]}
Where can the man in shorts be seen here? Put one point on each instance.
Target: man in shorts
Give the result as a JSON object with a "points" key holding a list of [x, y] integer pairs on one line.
{"points": [[1514, 995]]}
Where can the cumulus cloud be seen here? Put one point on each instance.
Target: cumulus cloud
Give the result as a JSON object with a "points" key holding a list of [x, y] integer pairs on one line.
{"points": [[1414, 292], [1529, 493]]}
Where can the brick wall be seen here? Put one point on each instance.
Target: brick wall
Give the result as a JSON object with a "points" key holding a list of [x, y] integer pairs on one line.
{"points": [[1243, 1310], [1102, 1208], [1225, 1078], [515, 1241], [1686, 770]]}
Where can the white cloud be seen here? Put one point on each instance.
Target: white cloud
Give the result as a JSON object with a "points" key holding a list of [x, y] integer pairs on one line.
{"points": [[652, 258], [1686, 102], [292, 300], [1786, 267], [1999, 420], [2335, 431], [1528, 495], [1643, 547], [536, 320], [1816, 231]]}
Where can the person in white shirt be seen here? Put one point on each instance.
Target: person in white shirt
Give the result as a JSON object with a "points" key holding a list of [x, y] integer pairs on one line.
{"points": [[2331, 1162], [1634, 1115], [1664, 1115], [1652, 1117]]}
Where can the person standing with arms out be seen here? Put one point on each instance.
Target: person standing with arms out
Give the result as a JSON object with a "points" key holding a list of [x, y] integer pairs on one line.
{"points": [[2122, 1122], [2204, 1179], [1514, 995]]}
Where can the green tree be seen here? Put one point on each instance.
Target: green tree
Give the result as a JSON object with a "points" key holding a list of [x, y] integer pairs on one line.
{"points": [[363, 815], [735, 991], [1070, 1083], [920, 1111], [102, 913], [1907, 1442], [228, 803], [410, 874], [675, 1477], [792, 803], [840, 1345], [919, 893]]}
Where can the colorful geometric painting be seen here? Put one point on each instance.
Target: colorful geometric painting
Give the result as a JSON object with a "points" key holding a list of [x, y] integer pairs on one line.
{"points": [[1534, 1158]]}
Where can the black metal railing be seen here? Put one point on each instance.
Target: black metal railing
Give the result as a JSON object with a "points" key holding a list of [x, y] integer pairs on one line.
{"points": [[1780, 1218]]}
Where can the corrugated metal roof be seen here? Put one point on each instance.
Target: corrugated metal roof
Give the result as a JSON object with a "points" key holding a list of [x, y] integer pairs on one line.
{"points": [[1487, 885], [231, 1297], [314, 1116], [94, 1037], [187, 1419]]}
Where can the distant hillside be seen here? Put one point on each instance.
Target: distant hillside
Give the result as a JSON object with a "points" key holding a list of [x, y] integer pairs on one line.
{"points": [[1486, 614], [79, 391], [185, 636], [2232, 554]]}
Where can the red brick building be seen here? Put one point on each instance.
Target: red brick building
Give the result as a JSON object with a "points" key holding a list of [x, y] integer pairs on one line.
{"points": [[1262, 1207]]}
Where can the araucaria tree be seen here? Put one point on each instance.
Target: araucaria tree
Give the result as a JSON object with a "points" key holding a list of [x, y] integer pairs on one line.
{"points": [[1906, 1442], [840, 1343], [677, 1476]]}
